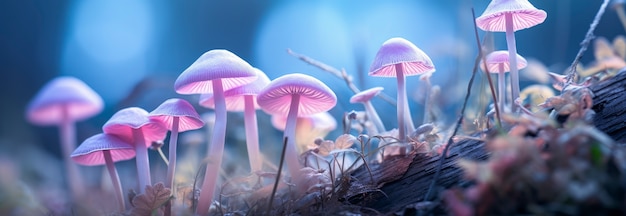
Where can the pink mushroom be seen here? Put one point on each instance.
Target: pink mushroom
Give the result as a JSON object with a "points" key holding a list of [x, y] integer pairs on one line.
{"points": [[177, 115], [364, 97], [398, 57], [64, 101], [132, 125], [509, 16], [105, 149], [214, 72], [297, 95], [498, 62], [243, 98]]}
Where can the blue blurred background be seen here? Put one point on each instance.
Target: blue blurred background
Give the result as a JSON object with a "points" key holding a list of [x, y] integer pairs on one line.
{"points": [[131, 52]]}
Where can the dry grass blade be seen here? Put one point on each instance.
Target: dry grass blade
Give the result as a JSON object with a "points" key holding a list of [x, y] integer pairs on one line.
{"points": [[280, 169]]}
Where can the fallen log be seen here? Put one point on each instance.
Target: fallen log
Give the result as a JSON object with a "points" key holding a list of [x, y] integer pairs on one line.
{"points": [[407, 192]]}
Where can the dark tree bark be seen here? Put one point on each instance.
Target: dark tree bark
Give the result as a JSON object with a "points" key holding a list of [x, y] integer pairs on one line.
{"points": [[409, 189]]}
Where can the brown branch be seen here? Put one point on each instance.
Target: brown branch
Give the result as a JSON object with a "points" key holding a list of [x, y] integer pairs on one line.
{"points": [[571, 75]]}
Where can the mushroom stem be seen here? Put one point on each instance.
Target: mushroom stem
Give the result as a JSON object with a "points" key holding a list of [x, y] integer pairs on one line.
{"points": [[68, 144], [510, 43], [143, 163], [293, 164], [216, 150], [171, 167], [402, 106], [252, 134], [501, 89], [115, 179], [427, 105], [408, 119], [373, 115]]}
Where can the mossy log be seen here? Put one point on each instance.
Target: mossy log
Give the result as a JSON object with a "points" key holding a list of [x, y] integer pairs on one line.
{"points": [[408, 191]]}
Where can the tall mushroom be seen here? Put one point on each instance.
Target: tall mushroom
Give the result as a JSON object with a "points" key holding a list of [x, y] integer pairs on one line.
{"points": [[214, 72], [132, 125], [364, 97], [510, 16], [243, 98], [498, 62], [64, 101], [297, 95], [177, 115], [398, 57], [105, 149]]}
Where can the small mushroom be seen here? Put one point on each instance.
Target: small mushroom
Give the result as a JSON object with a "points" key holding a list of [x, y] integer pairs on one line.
{"points": [[105, 149], [132, 125], [297, 95], [62, 102], [398, 58], [498, 62], [177, 115], [364, 97]]}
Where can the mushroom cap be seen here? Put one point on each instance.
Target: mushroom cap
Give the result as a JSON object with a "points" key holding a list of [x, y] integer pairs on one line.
{"points": [[315, 96], [89, 153], [495, 58], [124, 121], [400, 51], [524, 15], [188, 118], [79, 99], [214, 64], [323, 121], [234, 97], [365, 95]]}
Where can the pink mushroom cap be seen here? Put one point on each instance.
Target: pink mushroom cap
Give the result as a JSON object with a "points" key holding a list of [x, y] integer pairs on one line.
{"points": [[79, 99], [89, 153], [524, 15], [188, 118], [234, 97], [124, 121], [315, 96], [214, 64], [400, 51], [366, 95], [501, 57]]}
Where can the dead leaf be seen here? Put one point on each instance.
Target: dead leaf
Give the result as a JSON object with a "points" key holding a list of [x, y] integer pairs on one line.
{"points": [[153, 198]]}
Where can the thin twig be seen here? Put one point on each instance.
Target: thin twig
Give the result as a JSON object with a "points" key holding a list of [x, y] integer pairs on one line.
{"points": [[340, 74], [571, 75], [280, 169], [460, 119]]}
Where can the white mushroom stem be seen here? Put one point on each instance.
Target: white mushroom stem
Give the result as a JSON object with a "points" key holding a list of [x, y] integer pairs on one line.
{"points": [[402, 106], [171, 167], [501, 89], [427, 105], [68, 144], [143, 163], [252, 134], [115, 179], [216, 150], [291, 154], [373, 116], [510, 43]]}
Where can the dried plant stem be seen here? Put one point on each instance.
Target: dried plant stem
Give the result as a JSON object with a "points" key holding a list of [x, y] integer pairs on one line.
{"points": [[341, 74], [460, 119], [571, 75]]}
